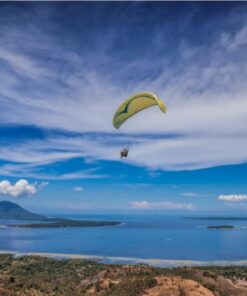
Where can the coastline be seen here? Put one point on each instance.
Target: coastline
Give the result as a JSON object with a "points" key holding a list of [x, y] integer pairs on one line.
{"points": [[168, 263]]}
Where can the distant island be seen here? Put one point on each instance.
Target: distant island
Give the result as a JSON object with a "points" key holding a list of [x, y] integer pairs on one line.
{"points": [[221, 227], [67, 223], [231, 218], [10, 210]]}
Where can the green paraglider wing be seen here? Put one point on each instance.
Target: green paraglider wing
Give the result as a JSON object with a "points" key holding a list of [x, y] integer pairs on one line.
{"points": [[134, 105]]}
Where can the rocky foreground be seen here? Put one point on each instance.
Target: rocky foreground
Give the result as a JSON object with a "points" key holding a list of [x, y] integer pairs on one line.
{"points": [[36, 276]]}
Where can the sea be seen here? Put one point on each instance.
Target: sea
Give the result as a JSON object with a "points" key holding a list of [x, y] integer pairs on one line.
{"points": [[138, 236]]}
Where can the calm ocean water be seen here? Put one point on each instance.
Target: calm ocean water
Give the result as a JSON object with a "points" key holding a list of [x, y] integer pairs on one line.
{"points": [[141, 236]]}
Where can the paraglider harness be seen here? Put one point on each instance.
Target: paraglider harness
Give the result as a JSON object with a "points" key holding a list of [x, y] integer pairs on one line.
{"points": [[124, 152]]}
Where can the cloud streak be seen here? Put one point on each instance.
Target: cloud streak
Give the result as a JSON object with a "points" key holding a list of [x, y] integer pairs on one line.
{"points": [[77, 88], [191, 194], [233, 197], [78, 189], [160, 206]]}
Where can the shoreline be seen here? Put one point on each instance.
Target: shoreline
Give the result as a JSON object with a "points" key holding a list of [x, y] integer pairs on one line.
{"points": [[168, 263]]}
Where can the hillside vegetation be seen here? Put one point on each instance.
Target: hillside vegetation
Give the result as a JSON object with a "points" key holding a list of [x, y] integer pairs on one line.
{"points": [[33, 275]]}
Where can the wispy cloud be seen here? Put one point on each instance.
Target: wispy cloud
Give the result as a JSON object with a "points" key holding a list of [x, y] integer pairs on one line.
{"points": [[46, 83], [233, 197], [192, 194], [31, 159], [163, 205], [41, 184], [37, 171], [235, 42], [21, 64], [78, 189], [138, 185]]}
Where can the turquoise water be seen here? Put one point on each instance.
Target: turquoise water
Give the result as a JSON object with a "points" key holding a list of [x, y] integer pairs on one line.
{"points": [[140, 236]]}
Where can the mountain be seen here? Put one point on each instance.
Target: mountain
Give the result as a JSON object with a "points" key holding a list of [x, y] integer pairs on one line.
{"points": [[10, 210]]}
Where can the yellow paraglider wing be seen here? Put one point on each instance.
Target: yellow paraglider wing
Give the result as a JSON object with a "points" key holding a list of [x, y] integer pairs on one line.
{"points": [[134, 105]]}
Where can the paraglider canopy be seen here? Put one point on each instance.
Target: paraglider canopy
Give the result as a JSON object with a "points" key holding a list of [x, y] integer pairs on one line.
{"points": [[134, 105]]}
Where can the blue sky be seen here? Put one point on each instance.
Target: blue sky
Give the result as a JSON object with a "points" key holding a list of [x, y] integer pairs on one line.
{"points": [[66, 67]]}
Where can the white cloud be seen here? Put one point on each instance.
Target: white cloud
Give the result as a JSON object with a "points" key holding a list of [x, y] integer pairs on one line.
{"points": [[233, 197], [163, 205], [42, 184], [191, 194], [20, 188], [78, 189], [138, 185], [205, 92]]}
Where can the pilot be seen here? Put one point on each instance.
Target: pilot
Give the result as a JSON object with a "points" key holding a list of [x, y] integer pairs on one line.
{"points": [[124, 152]]}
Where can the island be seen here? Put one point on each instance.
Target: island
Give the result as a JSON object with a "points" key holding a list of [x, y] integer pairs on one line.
{"points": [[220, 218], [10, 210], [67, 223], [221, 227]]}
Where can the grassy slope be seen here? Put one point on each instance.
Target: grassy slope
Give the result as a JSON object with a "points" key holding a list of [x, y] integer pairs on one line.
{"points": [[35, 275]]}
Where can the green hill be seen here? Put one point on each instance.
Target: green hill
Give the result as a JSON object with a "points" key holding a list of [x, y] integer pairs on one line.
{"points": [[10, 210]]}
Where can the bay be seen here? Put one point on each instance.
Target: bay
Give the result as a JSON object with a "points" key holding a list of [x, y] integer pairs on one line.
{"points": [[139, 236]]}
